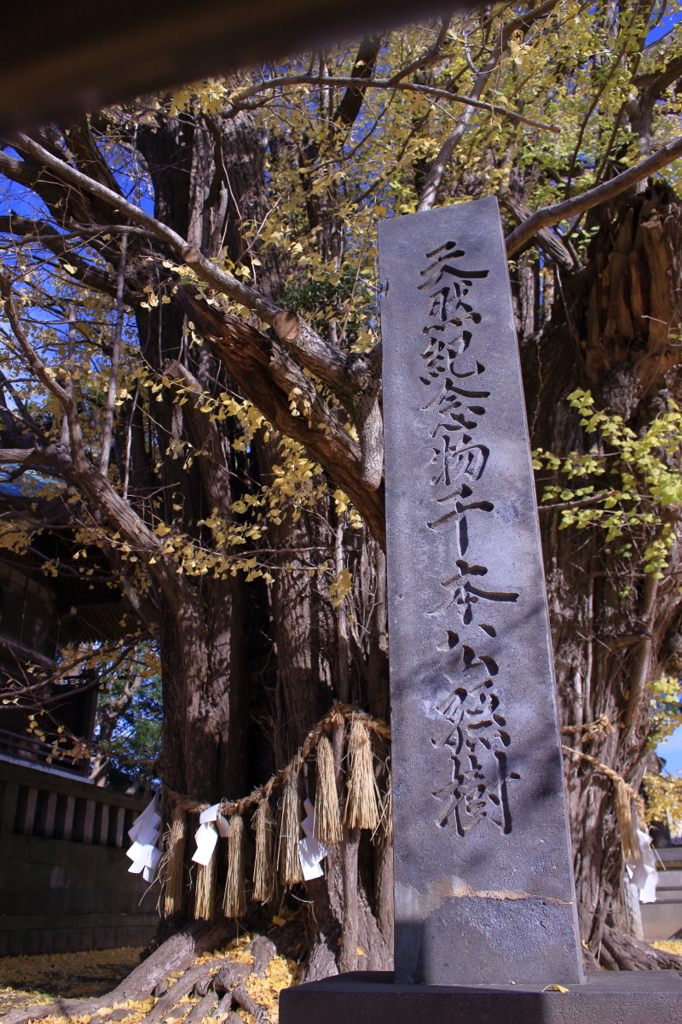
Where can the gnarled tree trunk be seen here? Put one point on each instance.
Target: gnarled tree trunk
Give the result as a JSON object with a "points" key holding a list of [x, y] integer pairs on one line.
{"points": [[610, 331]]}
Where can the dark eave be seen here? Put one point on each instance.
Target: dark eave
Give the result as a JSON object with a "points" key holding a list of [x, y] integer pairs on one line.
{"points": [[61, 58]]}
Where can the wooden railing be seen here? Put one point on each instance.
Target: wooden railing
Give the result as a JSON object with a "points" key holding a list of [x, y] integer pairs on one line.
{"points": [[30, 748], [49, 804]]}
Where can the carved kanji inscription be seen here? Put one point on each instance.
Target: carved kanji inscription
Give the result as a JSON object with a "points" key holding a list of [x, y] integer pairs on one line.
{"points": [[477, 774]]}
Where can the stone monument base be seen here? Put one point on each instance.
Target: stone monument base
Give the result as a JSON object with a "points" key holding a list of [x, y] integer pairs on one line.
{"points": [[371, 997]]}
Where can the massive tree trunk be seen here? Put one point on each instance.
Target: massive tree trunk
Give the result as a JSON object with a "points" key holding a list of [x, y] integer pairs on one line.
{"points": [[224, 651], [202, 655], [610, 332], [249, 667]]}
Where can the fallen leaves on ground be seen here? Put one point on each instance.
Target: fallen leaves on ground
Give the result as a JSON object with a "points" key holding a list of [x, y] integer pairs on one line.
{"points": [[669, 946], [281, 973], [26, 980], [70, 975]]}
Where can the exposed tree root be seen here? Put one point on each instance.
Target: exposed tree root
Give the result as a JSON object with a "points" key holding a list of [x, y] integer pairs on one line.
{"points": [[218, 982], [263, 951], [242, 997], [176, 954], [590, 962], [202, 1009], [183, 986], [620, 952]]}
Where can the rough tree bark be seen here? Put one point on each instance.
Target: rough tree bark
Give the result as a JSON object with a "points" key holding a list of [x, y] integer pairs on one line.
{"points": [[208, 184], [246, 669], [610, 332]]}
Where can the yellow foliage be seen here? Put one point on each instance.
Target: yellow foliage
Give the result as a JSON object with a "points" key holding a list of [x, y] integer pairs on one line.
{"points": [[32, 979], [643, 474], [664, 799], [71, 975]]}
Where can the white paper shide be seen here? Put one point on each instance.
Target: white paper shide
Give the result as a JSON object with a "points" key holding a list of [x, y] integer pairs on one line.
{"points": [[144, 854], [311, 852]]}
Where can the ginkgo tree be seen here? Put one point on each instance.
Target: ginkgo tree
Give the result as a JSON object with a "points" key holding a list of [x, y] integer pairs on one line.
{"points": [[191, 347]]}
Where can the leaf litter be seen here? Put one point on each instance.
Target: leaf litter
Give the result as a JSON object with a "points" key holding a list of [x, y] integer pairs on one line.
{"points": [[27, 980]]}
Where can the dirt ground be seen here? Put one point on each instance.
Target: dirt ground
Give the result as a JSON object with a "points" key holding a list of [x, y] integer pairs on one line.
{"points": [[26, 980]]}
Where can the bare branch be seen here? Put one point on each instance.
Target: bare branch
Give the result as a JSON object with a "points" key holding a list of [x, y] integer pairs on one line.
{"points": [[24, 414], [40, 231], [387, 83], [430, 55], [559, 506], [43, 374], [437, 169], [108, 431], [601, 194], [331, 364]]}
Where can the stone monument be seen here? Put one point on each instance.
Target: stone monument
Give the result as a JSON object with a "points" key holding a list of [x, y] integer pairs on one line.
{"points": [[483, 878], [484, 897]]}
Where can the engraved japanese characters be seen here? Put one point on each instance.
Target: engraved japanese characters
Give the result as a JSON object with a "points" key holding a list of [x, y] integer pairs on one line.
{"points": [[474, 734], [481, 852]]}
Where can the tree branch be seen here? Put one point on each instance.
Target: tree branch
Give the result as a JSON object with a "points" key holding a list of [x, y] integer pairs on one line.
{"points": [[24, 414], [387, 83], [601, 194], [363, 68], [288, 399], [546, 239], [559, 506], [206, 438], [330, 364], [430, 55], [57, 243], [437, 169], [78, 470], [656, 80], [108, 429], [43, 374], [351, 377], [211, 273]]}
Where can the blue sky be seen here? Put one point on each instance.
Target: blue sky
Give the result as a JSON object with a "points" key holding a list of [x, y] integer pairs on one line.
{"points": [[666, 24], [671, 750]]}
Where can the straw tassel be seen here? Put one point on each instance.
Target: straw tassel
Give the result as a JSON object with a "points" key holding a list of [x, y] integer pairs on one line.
{"points": [[234, 902], [174, 867], [626, 824], [290, 828], [361, 803], [329, 828], [625, 798], [264, 866], [204, 897]]}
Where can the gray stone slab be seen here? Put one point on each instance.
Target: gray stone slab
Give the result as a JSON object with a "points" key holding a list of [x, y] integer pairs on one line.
{"points": [[670, 879], [483, 874], [670, 856], [621, 997], [661, 921]]}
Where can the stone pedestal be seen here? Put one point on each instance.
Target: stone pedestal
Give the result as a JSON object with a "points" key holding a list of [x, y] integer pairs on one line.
{"points": [[369, 997]]}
